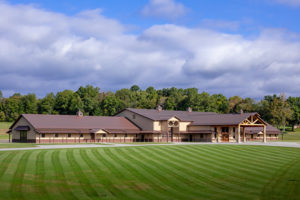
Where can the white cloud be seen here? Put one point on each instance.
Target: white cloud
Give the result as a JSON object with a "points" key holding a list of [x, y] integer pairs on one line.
{"points": [[43, 51], [289, 2], [169, 9]]}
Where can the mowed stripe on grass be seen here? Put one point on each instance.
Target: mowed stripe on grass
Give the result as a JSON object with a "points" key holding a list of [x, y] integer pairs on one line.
{"points": [[152, 172]]}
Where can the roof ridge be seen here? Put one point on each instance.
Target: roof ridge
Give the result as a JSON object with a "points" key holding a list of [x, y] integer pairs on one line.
{"points": [[72, 115]]}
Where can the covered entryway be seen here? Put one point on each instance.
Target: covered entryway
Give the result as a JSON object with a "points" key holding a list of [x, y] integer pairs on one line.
{"points": [[23, 133], [252, 121]]}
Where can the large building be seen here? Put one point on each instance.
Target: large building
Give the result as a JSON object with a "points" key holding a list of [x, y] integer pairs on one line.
{"points": [[143, 125]]}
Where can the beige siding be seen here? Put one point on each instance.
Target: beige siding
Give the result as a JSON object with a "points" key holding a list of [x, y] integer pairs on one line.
{"points": [[196, 128], [183, 126], [173, 119], [157, 125], [143, 122], [31, 134], [164, 126]]}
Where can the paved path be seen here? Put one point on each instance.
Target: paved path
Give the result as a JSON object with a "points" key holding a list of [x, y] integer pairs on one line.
{"points": [[279, 144]]}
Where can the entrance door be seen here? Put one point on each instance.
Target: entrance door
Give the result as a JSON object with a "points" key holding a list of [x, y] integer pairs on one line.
{"points": [[225, 134], [23, 136], [142, 138], [92, 136], [171, 134], [225, 137], [190, 138]]}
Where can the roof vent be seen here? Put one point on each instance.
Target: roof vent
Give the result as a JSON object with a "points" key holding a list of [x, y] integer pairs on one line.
{"points": [[241, 111], [189, 109], [79, 113], [159, 108]]}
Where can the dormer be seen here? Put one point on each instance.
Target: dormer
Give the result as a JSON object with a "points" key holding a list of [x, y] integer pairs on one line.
{"points": [[79, 113]]}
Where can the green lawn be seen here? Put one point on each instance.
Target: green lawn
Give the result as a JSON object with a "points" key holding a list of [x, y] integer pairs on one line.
{"points": [[291, 136], [152, 172], [143, 143], [5, 125], [3, 136]]}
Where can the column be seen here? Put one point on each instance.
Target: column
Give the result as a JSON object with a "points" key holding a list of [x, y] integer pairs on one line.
{"points": [[244, 134], [218, 134], [265, 134], [239, 134]]}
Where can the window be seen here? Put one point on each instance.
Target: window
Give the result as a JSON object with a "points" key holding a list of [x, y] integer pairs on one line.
{"points": [[116, 135], [56, 134], [234, 129], [201, 135], [225, 129], [69, 135], [126, 135], [104, 135], [215, 129], [81, 135], [133, 116], [43, 134]]}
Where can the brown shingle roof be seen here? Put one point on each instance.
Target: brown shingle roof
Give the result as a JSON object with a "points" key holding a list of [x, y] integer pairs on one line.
{"points": [[74, 122], [198, 118], [156, 115], [270, 130], [220, 119]]}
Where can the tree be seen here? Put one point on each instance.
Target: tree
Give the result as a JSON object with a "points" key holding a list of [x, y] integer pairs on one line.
{"points": [[247, 105], [2, 116], [126, 96], [75, 104], [63, 101], [191, 99], [135, 88], [219, 103], [281, 111], [234, 102], [264, 108], [29, 103], [294, 103], [1, 96], [111, 105], [12, 107], [90, 97], [46, 105]]}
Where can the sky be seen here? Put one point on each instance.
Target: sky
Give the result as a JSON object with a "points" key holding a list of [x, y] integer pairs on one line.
{"points": [[249, 48]]}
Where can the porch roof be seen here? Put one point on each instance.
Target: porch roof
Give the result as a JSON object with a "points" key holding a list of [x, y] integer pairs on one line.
{"points": [[22, 128]]}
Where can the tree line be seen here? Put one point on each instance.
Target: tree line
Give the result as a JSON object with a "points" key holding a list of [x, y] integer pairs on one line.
{"points": [[277, 110]]}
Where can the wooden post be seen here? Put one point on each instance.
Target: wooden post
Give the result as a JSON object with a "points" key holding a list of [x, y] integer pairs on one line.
{"points": [[9, 137], [218, 133], [265, 134], [239, 134], [244, 134]]}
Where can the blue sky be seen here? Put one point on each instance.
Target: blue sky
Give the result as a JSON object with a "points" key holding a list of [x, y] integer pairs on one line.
{"points": [[254, 14], [248, 48]]}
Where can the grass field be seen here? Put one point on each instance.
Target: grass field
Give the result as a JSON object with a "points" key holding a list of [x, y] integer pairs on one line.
{"points": [[4, 126], [152, 172], [291, 136]]}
